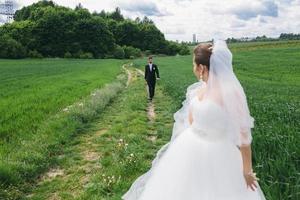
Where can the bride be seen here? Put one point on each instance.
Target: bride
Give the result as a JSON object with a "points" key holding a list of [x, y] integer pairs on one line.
{"points": [[209, 155]]}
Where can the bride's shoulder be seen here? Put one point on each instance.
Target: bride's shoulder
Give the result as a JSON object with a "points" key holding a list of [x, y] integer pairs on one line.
{"points": [[194, 85], [200, 93], [197, 99], [193, 89]]}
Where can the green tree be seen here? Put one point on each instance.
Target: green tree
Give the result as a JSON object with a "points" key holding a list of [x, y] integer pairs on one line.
{"points": [[94, 36], [25, 13], [10, 48], [132, 52], [22, 32], [119, 52], [184, 50], [128, 33], [173, 48], [116, 15], [54, 31], [151, 38]]}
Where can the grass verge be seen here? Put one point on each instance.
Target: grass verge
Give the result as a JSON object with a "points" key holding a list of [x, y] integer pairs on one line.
{"points": [[35, 156]]}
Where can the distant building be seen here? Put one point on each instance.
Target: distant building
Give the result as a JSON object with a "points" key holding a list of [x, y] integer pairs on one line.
{"points": [[194, 38]]}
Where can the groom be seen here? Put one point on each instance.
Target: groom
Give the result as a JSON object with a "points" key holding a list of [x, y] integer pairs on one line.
{"points": [[150, 70]]}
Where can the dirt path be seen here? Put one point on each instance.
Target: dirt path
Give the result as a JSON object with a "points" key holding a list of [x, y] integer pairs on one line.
{"points": [[151, 106], [83, 159], [151, 112], [129, 74]]}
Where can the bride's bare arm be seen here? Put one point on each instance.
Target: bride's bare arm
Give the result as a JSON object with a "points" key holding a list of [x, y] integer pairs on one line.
{"points": [[247, 166], [247, 157]]}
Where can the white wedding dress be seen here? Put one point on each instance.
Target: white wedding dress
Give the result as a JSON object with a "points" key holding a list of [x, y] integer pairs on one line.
{"points": [[201, 161]]}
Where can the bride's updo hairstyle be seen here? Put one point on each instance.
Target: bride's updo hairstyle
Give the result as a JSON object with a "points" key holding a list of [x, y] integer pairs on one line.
{"points": [[202, 53]]}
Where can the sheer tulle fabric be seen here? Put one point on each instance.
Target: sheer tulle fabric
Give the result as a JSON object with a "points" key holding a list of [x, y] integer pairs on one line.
{"points": [[181, 116], [201, 163], [224, 88]]}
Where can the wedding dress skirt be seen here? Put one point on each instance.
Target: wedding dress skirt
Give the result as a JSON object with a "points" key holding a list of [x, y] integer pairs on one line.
{"points": [[199, 163]]}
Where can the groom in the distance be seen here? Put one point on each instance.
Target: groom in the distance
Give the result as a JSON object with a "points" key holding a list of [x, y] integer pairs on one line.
{"points": [[151, 71]]}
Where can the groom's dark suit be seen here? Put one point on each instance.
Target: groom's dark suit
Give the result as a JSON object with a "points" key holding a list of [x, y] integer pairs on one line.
{"points": [[151, 78]]}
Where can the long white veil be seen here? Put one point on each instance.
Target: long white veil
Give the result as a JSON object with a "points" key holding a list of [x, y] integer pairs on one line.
{"points": [[224, 88]]}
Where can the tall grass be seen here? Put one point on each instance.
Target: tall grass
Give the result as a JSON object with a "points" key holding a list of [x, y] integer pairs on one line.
{"points": [[32, 90], [23, 161]]}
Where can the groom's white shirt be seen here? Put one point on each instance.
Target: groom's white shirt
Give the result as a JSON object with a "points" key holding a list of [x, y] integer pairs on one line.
{"points": [[150, 65]]}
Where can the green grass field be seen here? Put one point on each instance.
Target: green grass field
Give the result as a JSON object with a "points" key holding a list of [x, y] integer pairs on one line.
{"points": [[34, 94], [33, 90], [118, 142]]}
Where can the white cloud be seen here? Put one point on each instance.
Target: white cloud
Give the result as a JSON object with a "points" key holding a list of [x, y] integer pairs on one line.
{"points": [[2, 19], [176, 30], [143, 7], [251, 9], [180, 19]]}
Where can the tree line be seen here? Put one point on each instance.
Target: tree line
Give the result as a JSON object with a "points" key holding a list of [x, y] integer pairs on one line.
{"points": [[283, 36], [45, 29]]}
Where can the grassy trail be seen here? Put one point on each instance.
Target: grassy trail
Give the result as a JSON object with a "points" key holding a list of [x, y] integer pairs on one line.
{"points": [[104, 161], [44, 104]]}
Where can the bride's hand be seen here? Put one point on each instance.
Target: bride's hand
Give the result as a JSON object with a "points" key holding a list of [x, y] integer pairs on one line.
{"points": [[251, 180]]}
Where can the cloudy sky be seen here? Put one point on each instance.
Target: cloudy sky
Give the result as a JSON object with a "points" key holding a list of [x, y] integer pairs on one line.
{"points": [[180, 19]]}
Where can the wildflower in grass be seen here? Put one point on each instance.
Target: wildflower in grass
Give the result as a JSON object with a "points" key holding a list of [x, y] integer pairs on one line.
{"points": [[122, 145], [131, 158], [109, 181]]}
